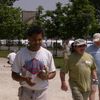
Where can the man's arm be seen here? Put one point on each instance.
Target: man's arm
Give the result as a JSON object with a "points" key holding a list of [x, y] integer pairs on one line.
{"points": [[50, 71], [19, 78], [47, 76], [93, 70], [63, 82], [51, 75], [94, 77], [94, 74]]}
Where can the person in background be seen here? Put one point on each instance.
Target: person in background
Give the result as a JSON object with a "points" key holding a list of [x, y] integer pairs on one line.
{"points": [[11, 56], [94, 50], [81, 68], [66, 50], [33, 67]]}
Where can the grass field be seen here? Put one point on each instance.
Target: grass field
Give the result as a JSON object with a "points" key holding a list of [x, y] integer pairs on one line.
{"points": [[59, 62], [4, 53]]}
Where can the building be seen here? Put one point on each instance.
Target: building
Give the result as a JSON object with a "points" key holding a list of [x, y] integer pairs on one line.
{"points": [[28, 16]]}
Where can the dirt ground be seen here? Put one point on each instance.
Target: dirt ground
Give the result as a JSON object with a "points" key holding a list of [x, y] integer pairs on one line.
{"points": [[9, 87]]}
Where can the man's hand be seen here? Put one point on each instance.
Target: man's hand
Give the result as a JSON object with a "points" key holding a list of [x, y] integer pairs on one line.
{"points": [[20, 78], [29, 82], [43, 75], [64, 86]]}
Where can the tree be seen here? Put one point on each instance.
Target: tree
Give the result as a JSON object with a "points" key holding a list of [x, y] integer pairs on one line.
{"points": [[10, 21], [38, 18], [11, 25], [7, 2], [72, 20], [54, 22], [96, 4], [81, 19]]}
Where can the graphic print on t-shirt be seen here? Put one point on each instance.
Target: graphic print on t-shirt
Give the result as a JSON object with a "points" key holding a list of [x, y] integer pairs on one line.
{"points": [[32, 68]]}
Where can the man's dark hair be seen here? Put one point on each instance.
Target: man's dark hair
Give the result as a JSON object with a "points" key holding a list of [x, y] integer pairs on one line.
{"points": [[34, 29]]}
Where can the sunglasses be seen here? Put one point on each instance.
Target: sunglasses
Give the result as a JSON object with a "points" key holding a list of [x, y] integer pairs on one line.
{"points": [[81, 46]]}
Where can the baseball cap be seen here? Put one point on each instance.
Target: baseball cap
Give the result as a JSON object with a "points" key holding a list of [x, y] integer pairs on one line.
{"points": [[79, 42], [96, 37]]}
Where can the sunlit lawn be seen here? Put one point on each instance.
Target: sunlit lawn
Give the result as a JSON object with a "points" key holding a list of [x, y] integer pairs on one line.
{"points": [[3, 53], [59, 62]]}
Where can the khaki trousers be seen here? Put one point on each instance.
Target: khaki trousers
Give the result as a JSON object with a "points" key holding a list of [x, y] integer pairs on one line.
{"points": [[27, 94], [78, 95]]}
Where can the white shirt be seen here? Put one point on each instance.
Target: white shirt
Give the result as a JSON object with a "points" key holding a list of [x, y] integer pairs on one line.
{"points": [[11, 57], [25, 55]]}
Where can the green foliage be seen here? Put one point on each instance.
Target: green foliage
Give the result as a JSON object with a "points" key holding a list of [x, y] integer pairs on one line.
{"points": [[7, 2], [94, 9], [10, 22], [54, 22], [81, 19], [71, 20], [96, 4], [38, 18]]}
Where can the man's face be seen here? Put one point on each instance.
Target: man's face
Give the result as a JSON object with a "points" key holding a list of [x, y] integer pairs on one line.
{"points": [[35, 41], [97, 43], [80, 49]]}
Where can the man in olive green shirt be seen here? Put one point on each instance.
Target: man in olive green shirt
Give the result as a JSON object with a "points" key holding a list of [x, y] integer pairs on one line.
{"points": [[81, 68]]}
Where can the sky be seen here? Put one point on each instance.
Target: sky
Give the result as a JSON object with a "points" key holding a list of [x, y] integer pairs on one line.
{"points": [[31, 5]]}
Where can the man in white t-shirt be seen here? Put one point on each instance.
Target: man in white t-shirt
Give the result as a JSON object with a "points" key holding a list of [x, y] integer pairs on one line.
{"points": [[33, 67], [11, 56]]}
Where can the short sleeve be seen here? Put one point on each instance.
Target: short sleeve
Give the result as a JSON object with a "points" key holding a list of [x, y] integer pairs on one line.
{"points": [[51, 64], [16, 67], [64, 68], [8, 56]]}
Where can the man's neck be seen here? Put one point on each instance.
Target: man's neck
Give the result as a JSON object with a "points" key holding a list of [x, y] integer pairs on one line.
{"points": [[33, 49]]}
